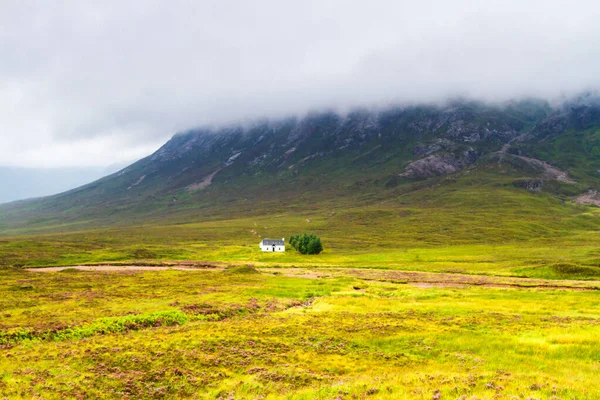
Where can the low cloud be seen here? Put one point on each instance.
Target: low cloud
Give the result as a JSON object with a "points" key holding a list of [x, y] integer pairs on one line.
{"points": [[94, 83]]}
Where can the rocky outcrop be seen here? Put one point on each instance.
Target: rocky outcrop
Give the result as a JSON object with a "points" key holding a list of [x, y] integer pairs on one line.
{"points": [[591, 198], [533, 185], [549, 172], [423, 150], [440, 164], [572, 117], [474, 131]]}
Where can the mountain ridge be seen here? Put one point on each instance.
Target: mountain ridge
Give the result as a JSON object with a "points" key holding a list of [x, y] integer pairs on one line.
{"points": [[211, 170]]}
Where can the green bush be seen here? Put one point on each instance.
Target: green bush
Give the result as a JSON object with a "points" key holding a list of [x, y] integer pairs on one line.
{"points": [[100, 326], [306, 243], [571, 269], [241, 269]]}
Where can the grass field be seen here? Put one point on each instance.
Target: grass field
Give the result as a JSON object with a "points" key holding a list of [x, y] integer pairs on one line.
{"points": [[243, 334], [467, 288], [494, 231]]}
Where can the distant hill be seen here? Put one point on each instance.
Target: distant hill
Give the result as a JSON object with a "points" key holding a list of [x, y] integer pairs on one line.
{"points": [[24, 183], [362, 157]]}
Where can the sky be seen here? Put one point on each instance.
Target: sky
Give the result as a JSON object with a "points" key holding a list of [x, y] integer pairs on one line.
{"points": [[23, 183], [94, 83]]}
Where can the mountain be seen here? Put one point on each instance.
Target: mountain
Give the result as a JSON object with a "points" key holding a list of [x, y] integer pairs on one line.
{"points": [[326, 158]]}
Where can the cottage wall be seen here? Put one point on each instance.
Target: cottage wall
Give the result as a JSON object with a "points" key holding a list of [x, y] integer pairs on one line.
{"points": [[273, 247]]}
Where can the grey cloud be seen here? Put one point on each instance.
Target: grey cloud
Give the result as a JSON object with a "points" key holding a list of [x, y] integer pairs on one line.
{"points": [[112, 74]]}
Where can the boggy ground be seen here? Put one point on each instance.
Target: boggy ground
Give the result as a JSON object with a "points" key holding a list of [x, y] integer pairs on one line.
{"points": [[239, 333]]}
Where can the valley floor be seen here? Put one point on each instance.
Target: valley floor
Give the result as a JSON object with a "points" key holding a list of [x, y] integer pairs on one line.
{"points": [[460, 290], [295, 333]]}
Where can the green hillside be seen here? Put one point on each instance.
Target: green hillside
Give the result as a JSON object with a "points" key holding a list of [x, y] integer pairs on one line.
{"points": [[417, 188]]}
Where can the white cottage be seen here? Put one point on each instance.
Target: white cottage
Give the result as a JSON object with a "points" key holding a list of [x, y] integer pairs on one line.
{"points": [[273, 245]]}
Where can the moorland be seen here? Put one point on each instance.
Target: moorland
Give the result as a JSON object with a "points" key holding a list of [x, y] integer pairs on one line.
{"points": [[456, 264]]}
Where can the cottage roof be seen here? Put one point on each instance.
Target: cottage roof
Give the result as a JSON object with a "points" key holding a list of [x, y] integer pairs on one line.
{"points": [[271, 242]]}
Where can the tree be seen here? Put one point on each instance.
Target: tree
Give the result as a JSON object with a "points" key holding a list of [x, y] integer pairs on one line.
{"points": [[314, 246], [293, 240], [306, 243]]}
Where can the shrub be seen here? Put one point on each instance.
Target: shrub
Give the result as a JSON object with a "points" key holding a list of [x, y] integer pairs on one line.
{"points": [[100, 326], [306, 243], [572, 269], [241, 269]]}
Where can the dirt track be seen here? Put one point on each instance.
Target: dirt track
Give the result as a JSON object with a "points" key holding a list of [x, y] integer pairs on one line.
{"points": [[550, 171], [589, 198], [116, 268], [414, 278], [432, 279]]}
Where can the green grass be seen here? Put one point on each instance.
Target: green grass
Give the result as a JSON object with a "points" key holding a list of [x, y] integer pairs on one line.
{"points": [[462, 224], [349, 324], [147, 335]]}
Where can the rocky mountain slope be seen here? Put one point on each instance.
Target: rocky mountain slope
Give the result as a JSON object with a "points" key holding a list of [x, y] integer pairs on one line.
{"points": [[205, 173]]}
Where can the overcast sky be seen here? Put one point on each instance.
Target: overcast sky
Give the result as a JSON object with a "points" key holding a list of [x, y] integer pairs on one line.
{"points": [[92, 83]]}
